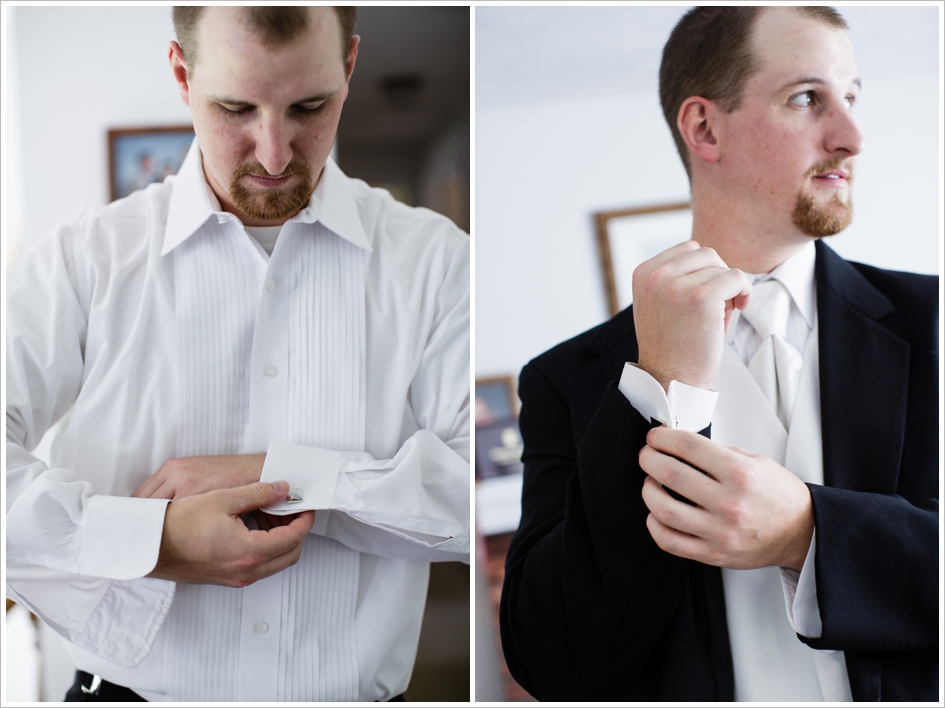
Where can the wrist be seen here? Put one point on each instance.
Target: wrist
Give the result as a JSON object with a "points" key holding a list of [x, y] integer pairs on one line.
{"points": [[801, 537], [666, 377]]}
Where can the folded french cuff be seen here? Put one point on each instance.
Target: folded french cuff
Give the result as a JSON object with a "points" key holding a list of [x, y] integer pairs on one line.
{"points": [[800, 596], [122, 537], [683, 406], [312, 474]]}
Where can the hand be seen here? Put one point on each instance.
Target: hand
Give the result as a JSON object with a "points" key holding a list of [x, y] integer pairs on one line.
{"points": [[266, 522], [187, 476], [206, 542], [751, 512], [683, 300]]}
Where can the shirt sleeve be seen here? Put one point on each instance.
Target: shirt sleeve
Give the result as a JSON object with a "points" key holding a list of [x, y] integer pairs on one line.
{"points": [[682, 406], [415, 504], [72, 556], [800, 595]]}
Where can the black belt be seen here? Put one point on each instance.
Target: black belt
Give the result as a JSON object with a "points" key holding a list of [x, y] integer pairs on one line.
{"points": [[96, 689]]}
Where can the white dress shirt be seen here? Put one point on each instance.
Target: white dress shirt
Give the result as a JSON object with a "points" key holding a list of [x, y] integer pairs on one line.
{"points": [[155, 328], [769, 662]]}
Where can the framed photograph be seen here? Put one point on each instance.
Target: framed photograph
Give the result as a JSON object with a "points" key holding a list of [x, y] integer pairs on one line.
{"points": [[627, 237], [139, 156], [498, 449], [496, 400]]}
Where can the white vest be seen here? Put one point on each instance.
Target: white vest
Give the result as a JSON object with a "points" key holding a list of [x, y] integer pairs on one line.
{"points": [[770, 662]]}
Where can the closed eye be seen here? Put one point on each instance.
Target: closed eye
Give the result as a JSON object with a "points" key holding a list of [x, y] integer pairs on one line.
{"points": [[235, 110], [308, 109]]}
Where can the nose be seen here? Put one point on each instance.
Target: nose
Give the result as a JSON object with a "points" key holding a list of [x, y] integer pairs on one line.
{"points": [[273, 144], [843, 135]]}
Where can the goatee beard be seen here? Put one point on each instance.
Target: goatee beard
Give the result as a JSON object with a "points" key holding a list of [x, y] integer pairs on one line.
{"points": [[819, 220], [272, 204]]}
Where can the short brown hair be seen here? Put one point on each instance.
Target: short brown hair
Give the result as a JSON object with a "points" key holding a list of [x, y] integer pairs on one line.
{"points": [[708, 54], [274, 26]]}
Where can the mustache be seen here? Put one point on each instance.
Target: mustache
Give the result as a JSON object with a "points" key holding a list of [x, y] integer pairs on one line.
{"points": [[834, 163], [256, 170]]}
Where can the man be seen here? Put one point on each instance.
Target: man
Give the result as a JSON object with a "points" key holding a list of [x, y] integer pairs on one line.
{"points": [[789, 552], [281, 352]]}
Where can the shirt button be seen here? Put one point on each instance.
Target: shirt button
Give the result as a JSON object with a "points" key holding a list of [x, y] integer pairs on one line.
{"points": [[271, 285], [262, 628], [271, 371]]}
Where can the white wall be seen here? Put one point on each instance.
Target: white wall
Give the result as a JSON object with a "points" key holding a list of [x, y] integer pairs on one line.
{"points": [[109, 70], [543, 167]]}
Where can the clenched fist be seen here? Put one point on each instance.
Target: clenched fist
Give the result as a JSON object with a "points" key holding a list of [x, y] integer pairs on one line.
{"points": [[682, 303]]}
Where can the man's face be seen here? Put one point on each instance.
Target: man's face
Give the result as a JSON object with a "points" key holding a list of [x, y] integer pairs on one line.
{"points": [[265, 118], [791, 146]]}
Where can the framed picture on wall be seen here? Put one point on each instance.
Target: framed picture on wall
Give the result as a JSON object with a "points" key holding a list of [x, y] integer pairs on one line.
{"points": [[627, 237], [495, 400], [139, 156]]}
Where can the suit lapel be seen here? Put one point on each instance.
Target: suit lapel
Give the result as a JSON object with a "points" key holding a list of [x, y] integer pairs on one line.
{"points": [[864, 373]]}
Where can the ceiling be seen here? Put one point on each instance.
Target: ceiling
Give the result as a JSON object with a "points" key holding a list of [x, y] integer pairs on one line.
{"points": [[538, 54]]}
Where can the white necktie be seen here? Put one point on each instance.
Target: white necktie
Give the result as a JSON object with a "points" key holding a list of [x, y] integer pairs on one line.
{"points": [[776, 365]]}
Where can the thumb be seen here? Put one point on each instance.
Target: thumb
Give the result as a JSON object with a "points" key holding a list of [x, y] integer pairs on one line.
{"points": [[256, 496]]}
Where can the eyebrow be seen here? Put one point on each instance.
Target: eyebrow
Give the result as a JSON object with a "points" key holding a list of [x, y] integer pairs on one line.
{"points": [[324, 96], [812, 80]]}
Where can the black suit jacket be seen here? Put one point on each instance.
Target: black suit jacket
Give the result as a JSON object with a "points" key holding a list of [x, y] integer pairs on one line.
{"points": [[592, 609]]}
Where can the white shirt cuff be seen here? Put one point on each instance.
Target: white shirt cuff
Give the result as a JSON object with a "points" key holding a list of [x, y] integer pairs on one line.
{"points": [[683, 406], [800, 595], [122, 538], [310, 471]]}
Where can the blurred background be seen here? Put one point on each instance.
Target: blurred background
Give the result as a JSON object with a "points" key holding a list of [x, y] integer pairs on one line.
{"points": [[569, 133], [73, 74]]}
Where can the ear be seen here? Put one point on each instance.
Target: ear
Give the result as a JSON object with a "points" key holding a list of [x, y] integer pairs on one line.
{"points": [[175, 55], [696, 122], [352, 56]]}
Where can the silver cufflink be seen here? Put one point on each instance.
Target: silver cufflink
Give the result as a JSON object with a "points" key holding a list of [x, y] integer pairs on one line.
{"points": [[295, 495], [93, 689]]}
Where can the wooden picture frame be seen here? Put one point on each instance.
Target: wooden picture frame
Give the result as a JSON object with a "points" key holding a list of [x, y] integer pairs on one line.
{"points": [[613, 265], [499, 395], [140, 156]]}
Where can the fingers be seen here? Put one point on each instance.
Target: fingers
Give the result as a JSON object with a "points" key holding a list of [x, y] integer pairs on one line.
{"points": [[263, 520], [726, 283], [704, 278], [266, 521], [672, 512], [148, 486], [682, 259], [278, 563], [681, 544], [694, 449], [696, 260], [673, 252], [254, 496], [680, 477], [278, 540]]}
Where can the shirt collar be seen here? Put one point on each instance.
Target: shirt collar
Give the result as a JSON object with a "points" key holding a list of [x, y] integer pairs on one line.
{"points": [[796, 274], [193, 203]]}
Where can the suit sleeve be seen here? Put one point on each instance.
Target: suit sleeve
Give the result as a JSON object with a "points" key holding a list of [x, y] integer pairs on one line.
{"points": [[877, 560], [588, 595]]}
